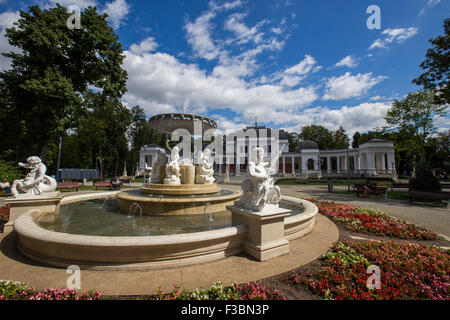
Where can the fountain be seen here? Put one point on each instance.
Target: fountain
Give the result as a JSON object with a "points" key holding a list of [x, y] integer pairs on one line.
{"points": [[177, 186], [178, 217]]}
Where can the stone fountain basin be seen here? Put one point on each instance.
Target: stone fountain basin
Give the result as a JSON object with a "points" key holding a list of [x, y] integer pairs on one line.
{"points": [[183, 202], [143, 252]]}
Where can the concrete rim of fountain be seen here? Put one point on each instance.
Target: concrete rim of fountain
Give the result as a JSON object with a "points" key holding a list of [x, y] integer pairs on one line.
{"points": [[144, 252]]}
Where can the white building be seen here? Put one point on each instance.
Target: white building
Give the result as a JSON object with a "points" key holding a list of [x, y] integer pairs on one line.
{"points": [[373, 158]]}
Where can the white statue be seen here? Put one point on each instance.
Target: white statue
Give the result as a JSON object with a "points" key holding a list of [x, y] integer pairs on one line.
{"points": [[156, 167], [35, 182], [173, 168], [148, 172], [259, 188], [205, 169]]}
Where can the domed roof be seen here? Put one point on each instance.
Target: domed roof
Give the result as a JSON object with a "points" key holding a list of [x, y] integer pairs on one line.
{"points": [[308, 144]]}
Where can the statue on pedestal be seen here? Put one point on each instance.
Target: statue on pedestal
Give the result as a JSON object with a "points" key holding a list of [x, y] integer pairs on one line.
{"points": [[173, 168], [205, 169], [156, 167], [35, 182], [259, 188]]}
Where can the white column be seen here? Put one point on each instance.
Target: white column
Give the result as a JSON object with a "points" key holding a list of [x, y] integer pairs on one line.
{"points": [[371, 163], [354, 163], [293, 166], [338, 162], [284, 165], [383, 161], [329, 164]]}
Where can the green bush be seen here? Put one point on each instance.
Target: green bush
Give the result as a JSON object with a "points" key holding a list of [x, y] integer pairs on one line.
{"points": [[424, 180], [10, 171]]}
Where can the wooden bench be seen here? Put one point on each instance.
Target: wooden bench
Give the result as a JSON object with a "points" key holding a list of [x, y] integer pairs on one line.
{"points": [[68, 185], [102, 184], [367, 189], [429, 196]]}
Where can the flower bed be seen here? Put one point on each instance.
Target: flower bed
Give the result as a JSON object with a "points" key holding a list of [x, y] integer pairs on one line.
{"points": [[248, 291], [371, 221], [4, 213], [10, 290], [408, 271]]}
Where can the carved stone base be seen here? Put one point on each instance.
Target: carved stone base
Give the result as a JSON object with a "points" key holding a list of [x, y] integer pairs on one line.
{"points": [[265, 239], [46, 202]]}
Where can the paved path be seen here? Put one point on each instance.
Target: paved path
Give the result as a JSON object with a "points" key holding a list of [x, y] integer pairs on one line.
{"points": [[433, 218]]}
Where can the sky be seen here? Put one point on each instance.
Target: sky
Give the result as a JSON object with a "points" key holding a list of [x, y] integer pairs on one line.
{"points": [[282, 63]]}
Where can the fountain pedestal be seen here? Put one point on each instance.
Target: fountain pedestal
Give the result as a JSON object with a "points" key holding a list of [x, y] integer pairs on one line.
{"points": [[46, 202], [265, 239]]}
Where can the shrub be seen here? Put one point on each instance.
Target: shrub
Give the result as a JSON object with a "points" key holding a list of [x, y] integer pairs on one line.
{"points": [[4, 213], [10, 171], [424, 179]]}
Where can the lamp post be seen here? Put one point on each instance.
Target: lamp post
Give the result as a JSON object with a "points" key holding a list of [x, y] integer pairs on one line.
{"points": [[59, 158]]}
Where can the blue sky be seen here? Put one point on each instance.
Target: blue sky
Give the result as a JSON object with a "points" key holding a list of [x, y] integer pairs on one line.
{"points": [[288, 63]]}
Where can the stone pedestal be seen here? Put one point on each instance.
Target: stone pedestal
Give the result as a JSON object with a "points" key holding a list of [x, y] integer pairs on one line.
{"points": [[265, 239], [187, 173], [46, 202]]}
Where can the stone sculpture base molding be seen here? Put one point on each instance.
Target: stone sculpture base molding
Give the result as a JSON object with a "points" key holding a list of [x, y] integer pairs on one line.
{"points": [[265, 239]]}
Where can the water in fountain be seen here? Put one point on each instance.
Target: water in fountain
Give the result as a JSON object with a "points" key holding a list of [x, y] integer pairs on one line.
{"points": [[208, 210], [133, 209]]}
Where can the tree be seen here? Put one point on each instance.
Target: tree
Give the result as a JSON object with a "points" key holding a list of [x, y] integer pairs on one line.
{"points": [[415, 114], [424, 179], [437, 67], [46, 89], [318, 134], [341, 140], [355, 140]]}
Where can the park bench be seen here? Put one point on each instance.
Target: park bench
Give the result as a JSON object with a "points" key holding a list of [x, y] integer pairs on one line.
{"points": [[367, 189], [429, 196], [68, 185], [102, 184]]}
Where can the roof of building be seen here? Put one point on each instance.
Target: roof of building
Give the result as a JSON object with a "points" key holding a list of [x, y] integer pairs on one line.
{"points": [[308, 145]]}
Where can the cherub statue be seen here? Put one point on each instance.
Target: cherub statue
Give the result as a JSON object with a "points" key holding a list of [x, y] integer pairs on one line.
{"points": [[173, 168], [259, 188], [35, 182], [205, 169], [156, 167]]}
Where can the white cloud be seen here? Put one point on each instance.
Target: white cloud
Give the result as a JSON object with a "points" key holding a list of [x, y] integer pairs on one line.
{"points": [[159, 82], [398, 35], [295, 74], [430, 4], [363, 117], [117, 10], [348, 61], [145, 46], [6, 21], [348, 86], [66, 3]]}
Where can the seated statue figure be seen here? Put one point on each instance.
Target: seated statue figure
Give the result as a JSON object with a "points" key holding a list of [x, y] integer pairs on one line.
{"points": [[205, 169], [35, 182], [173, 168], [259, 188], [156, 167]]}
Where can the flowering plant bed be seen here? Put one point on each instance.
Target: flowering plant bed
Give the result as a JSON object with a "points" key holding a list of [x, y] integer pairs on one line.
{"points": [[4, 213], [10, 290], [408, 271], [248, 291], [371, 221]]}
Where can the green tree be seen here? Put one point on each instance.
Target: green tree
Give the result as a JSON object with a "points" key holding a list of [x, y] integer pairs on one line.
{"points": [[318, 134], [415, 114], [437, 67], [424, 179], [341, 140], [46, 89]]}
